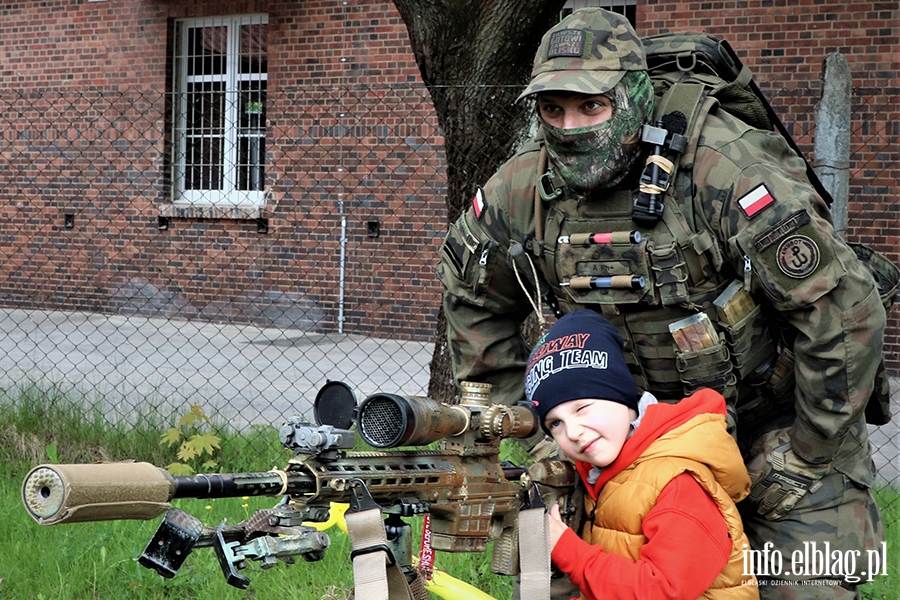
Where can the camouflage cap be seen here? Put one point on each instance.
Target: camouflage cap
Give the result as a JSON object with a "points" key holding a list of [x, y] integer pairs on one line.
{"points": [[588, 52]]}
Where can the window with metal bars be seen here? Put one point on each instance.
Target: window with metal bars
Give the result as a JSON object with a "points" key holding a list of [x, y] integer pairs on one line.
{"points": [[628, 8], [219, 119]]}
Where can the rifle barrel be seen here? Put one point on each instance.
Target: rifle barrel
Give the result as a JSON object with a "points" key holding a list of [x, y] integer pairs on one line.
{"points": [[232, 485], [128, 490]]}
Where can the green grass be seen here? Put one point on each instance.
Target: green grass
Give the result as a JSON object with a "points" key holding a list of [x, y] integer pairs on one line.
{"points": [[94, 561], [888, 588], [84, 561]]}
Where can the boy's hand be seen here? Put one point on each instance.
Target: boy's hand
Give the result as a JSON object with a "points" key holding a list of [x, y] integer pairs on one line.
{"points": [[557, 527]]}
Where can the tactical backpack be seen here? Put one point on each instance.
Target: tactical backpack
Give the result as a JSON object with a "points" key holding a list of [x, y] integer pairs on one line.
{"points": [[702, 59], [687, 68]]}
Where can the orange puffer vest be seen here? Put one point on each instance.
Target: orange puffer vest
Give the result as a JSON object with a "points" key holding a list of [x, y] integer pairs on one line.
{"points": [[626, 499]]}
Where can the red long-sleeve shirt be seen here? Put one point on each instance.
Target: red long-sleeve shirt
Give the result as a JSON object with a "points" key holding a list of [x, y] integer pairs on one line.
{"points": [[687, 547]]}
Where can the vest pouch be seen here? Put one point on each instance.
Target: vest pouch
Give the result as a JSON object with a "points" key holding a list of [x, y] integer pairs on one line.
{"points": [[618, 273], [780, 386], [763, 403], [707, 368], [749, 343], [885, 273], [878, 408]]}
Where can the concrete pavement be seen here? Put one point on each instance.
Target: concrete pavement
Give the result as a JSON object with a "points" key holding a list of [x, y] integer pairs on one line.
{"points": [[241, 373], [129, 365]]}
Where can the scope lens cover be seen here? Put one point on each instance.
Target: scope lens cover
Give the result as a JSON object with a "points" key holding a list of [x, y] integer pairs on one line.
{"points": [[335, 405]]}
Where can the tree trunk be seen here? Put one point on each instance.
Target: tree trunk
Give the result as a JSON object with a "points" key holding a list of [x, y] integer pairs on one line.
{"points": [[475, 58]]}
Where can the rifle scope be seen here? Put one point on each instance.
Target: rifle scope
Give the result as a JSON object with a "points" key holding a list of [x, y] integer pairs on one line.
{"points": [[389, 420]]}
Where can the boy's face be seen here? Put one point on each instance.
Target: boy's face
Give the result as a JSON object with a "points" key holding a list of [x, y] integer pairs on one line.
{"points": [[589, 429]]}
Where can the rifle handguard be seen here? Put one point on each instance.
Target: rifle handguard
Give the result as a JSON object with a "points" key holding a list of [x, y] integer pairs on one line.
{"points": [[97, 492]]}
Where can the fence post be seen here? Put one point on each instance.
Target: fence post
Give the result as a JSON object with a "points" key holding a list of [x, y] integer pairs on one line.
{"points": [[832, 142]]}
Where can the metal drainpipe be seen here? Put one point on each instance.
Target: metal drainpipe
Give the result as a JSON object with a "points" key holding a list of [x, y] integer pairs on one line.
{"points": [[343, 262], [343, 259]]}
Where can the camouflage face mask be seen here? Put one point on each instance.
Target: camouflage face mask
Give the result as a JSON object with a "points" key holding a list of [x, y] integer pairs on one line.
{"points": [[602, 155]]}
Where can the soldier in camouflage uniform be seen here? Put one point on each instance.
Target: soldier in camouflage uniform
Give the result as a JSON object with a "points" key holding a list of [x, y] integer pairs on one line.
{"points": [[565, 221]]}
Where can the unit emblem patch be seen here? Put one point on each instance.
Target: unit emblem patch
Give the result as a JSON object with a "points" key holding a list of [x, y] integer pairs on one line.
{"points": [[798, 256]]}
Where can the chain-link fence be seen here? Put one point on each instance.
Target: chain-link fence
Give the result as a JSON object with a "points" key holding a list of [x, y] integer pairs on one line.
{"points": [[126, 281]]}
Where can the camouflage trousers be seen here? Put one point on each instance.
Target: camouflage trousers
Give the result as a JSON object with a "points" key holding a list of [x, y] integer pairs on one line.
{"points": [[821, 549]]}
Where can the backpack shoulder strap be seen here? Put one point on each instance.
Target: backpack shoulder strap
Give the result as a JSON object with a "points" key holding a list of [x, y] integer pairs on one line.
{"points": [[684, 97]]}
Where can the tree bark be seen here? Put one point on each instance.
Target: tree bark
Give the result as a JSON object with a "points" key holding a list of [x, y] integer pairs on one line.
{"points": [[475, 57]]}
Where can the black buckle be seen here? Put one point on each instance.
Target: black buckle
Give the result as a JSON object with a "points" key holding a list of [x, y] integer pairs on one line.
{"points": [[533, 498], [647, 210], [360, 498], [377, 548]]}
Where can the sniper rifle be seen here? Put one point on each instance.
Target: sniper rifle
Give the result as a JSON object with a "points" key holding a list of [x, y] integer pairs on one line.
{"points": [[469, 496]]}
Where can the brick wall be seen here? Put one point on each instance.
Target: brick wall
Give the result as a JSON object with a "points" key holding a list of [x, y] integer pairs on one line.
{"points": [[353, 151], [85, 134]]}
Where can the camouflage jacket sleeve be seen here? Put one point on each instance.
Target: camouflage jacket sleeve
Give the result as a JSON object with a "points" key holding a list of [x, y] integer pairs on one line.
{"points": [[484, 303], [770, 220]]}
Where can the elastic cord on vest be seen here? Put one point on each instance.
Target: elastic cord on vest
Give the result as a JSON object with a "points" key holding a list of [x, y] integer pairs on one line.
{"points": [[514, 252]]}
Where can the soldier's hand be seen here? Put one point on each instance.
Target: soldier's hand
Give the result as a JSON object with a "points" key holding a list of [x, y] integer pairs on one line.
{"points": [[546, 449], [779, 477]]}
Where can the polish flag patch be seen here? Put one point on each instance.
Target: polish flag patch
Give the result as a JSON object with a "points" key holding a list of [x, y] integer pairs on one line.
{"points": [[755, 200], [478, 203]]}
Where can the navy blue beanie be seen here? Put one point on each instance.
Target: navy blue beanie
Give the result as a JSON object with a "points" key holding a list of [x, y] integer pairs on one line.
{"points": [[580, 357]]}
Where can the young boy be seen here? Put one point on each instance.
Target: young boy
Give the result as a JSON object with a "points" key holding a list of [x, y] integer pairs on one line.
{"points": [[662, 479]]}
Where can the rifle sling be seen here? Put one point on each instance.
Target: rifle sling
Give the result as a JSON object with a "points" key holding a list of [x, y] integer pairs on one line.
{"points": [[534, 554], [376, 575]]}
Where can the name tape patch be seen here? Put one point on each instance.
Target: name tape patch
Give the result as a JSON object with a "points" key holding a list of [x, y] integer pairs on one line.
{"points": [[789, 225]]}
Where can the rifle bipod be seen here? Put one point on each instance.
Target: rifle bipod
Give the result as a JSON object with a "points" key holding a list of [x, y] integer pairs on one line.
{"points": [[268, 536]]}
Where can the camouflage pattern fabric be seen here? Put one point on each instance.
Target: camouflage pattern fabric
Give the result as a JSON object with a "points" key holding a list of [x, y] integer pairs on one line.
{"points": [[764, 225], [588, 52], [601, 155], [839, 519]]}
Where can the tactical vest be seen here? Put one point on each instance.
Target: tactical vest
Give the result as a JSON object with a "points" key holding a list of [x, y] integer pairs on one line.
{"points": [[645, 276]]}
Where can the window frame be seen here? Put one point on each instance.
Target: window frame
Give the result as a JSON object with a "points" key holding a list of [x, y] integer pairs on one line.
{"points": [[627, 8], [231, 200]]}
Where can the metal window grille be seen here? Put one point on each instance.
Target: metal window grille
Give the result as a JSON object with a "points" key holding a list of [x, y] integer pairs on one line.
{"points": [[219, 120]]}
